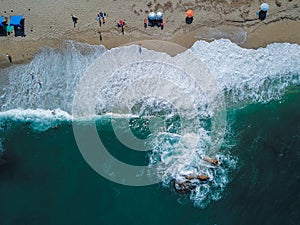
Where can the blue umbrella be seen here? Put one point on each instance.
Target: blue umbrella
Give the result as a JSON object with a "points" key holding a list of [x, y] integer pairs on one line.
{"points": [[152, 16], [16, 20], [1, 19], [264, 7], [159, 15]]}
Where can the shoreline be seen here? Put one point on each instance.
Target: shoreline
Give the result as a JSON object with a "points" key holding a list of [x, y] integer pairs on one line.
{"points": [[260, 37], [215, 19]]}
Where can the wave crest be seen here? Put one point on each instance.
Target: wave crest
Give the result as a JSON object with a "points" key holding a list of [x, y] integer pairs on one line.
{"points": [[246, 76]]}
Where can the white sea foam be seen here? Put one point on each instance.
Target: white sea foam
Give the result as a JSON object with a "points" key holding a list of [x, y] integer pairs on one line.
{"points": [[48, 82], [173, 158], [39, 119], [248, 75], [244, 75]]}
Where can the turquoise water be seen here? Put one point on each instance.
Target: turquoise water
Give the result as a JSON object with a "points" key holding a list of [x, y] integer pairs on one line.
{"points": [[45, 179]]}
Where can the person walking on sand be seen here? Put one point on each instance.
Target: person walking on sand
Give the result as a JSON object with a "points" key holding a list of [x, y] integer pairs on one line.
{"points": [[9, 57], [75, 19], [145, 23]]}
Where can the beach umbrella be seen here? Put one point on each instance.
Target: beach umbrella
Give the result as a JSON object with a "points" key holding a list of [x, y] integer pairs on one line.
{"points": [[152, 16], [16, 20], [1, 19], [189, 13], [264, 7], [159, 15]]}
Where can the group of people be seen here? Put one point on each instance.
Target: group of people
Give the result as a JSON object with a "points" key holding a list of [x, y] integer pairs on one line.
{"points": [[6, 26], [101, 18]]}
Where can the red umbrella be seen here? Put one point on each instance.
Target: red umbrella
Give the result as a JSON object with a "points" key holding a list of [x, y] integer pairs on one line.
{"points": [[189, 13]]}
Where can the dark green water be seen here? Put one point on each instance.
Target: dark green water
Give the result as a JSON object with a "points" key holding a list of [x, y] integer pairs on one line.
{"points": [[46, 181]]}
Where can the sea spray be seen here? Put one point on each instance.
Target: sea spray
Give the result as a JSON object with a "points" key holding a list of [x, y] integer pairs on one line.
{"points": [[48, 82], [250, 76], [245, 77], [39, 120]]}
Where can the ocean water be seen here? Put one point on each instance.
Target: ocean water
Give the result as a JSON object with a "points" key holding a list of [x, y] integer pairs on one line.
{"points": [[160, 114]]}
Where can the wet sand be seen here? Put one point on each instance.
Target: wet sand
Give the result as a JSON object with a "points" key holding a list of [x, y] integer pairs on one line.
{"points": [[49, 24]]}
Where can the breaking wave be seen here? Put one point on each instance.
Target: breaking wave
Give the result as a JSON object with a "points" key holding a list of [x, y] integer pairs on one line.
{"points": [[42, 92], [250, 76]]}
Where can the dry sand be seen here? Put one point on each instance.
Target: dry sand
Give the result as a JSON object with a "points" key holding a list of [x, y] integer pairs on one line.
{"points": [[48, 22]]}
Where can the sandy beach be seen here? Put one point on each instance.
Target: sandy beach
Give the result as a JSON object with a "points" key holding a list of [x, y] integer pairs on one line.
{"points": [[49, 23]]}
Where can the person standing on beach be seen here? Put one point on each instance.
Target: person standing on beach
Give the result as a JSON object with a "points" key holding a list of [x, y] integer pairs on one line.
{"points": [[101, 14], [9, 57], [122, 25], [123, 29], [145, 23], [162, 25], [140, 48], [262, 15], [99, 19], [102, 17], [75, 19]]}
